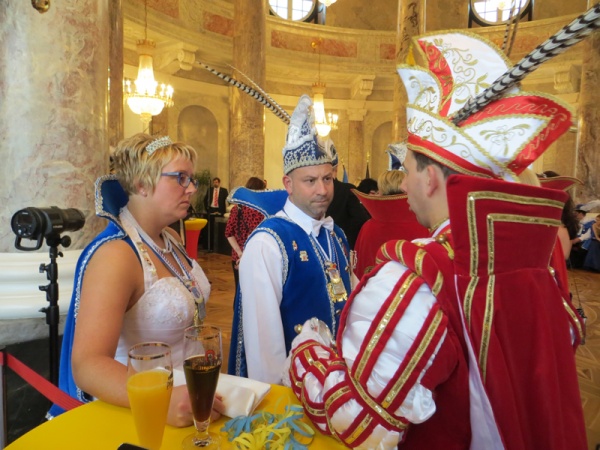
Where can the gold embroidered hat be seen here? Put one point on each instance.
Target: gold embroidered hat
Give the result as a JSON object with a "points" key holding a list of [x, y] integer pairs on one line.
{"points": [[396, 154], [332, 152], [498, 141], [302, 147]]}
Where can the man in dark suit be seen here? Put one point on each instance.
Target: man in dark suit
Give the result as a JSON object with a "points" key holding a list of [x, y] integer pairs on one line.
{"points": [[345, 209], [215, 198], [215, 204]]}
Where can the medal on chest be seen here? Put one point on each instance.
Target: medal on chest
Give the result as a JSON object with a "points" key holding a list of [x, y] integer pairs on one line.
{"points": [[336, 288], [200, 312]]}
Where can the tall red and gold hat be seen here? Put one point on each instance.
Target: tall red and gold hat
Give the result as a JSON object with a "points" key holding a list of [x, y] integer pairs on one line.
{"points": [[498, 141]]}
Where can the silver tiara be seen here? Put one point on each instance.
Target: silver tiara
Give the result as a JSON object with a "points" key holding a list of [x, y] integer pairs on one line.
{"points": [[158, 143]]}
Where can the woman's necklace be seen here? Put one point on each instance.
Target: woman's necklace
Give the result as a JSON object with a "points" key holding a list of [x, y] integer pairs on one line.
{"points": [[183, 275], [150, 242]]}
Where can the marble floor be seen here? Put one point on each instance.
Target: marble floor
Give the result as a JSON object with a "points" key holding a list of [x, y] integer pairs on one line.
{"points": [[584, 285]]}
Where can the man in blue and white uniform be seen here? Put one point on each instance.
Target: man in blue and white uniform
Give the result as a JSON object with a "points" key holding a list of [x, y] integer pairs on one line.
{"points": [[295, 264]]}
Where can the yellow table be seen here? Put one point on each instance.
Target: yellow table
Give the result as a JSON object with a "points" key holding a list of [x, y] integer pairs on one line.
{"points": [[101, 426]]}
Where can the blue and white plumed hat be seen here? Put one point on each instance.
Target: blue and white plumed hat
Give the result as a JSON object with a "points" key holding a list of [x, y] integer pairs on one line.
{"points": [[302, 147], [330, 148], [396, 155]]}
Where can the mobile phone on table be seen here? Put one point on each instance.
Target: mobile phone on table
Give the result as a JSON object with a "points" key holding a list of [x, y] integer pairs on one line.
{"points": [[126, 446]]}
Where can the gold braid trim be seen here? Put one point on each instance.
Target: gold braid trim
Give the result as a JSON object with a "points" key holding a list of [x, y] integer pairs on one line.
{"points": [[487, 327], [416, 263], [302, 348], [294, 380], [574, 317], [315, 412], [339, 392], [419, 257], [381, 326], [337, 362], [468, 301], [439, 282], [386, 254], [360, 429], [473, 241], [329, 426], [449, 249], [308, 356], [399, 249], [414, 360], [376, 408], [320, 367], [305, 346]]}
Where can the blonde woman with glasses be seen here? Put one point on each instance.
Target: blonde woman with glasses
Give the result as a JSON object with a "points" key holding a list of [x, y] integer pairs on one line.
{"points": [[134, 282]]}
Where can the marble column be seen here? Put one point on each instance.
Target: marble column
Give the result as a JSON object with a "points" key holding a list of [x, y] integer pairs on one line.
{"points": [[115, 65], [361, 89], [247, 122], [53, 128], [357, 159], [410, 23], [588, 149]]}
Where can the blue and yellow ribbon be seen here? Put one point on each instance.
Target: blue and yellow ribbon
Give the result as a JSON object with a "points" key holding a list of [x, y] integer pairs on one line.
{"points": [[265, 430]]}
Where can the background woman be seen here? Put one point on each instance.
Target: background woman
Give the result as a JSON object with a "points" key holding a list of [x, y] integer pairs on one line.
{"points": [[242, 221], [134, 282], [569, 222]]}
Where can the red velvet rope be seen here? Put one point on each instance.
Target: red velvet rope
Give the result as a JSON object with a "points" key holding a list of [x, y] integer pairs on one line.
{"points": [[43, 386]]}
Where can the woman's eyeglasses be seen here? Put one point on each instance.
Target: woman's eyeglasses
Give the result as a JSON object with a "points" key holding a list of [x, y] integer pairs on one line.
{"points": [[183, 179]]}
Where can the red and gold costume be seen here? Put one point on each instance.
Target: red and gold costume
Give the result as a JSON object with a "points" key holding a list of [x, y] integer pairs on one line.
{"points": [[401, 370], [463, 340], [401, 357], [522, 331]]}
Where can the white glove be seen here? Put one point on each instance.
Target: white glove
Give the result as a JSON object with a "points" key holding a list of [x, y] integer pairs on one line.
{"points": [[312, 330]]}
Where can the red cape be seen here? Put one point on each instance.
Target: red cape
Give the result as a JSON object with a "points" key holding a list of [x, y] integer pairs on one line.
{"points": [[391, 219], [520, 327]]}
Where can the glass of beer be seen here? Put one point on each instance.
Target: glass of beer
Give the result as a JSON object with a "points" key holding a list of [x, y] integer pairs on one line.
{"points": [[149, 386], [202, 364]]}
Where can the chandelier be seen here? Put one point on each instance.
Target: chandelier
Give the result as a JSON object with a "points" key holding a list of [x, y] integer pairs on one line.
{"points": [[144, 96], [324, 122]]}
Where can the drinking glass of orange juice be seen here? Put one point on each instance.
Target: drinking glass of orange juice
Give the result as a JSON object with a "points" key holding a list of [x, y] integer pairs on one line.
{"points": [[149, 386]]}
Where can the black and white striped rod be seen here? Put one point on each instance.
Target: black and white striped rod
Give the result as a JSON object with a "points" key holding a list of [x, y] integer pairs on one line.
{"points": [[570, 35], [509, 23], [248, 90], [262, 91]]}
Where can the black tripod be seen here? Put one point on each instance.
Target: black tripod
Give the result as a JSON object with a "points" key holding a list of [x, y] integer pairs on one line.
{"points": [[51, 289]]}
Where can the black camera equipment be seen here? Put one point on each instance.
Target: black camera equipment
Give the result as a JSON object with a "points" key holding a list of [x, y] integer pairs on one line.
{"points": [[37, 224]]}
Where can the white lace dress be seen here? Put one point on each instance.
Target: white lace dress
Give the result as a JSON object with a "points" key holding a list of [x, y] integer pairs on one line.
{"points": [[165, 309]]}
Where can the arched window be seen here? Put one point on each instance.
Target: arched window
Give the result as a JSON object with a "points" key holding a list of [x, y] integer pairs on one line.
{"points": [[496, 12], [298, 10]]}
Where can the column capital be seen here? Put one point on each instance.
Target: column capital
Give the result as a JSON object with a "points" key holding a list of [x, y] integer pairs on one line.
{"points": [[175, 57], [362, 87], [186, 55], [567, 78]]}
